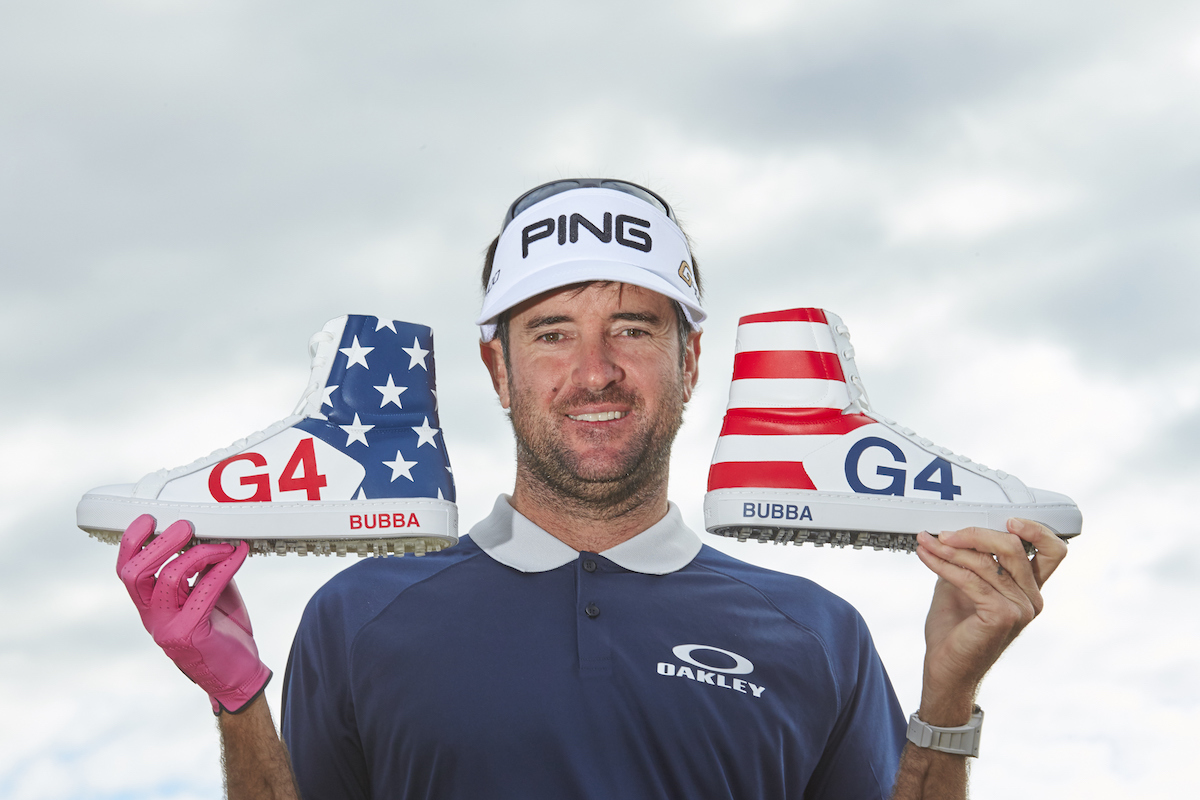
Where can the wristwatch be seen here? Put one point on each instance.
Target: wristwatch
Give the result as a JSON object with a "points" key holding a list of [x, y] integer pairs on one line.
{"points": [[961, 741]]}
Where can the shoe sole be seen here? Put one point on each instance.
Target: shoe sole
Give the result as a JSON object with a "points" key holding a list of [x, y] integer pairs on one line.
{"points": [[372, 527], [884, 523]]}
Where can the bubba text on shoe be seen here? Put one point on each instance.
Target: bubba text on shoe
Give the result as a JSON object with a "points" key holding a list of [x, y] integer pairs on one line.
{"points": [[360, 467], [802, 457]]}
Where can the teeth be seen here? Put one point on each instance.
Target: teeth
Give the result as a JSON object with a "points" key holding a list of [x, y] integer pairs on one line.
{"points": [[603, 416]]}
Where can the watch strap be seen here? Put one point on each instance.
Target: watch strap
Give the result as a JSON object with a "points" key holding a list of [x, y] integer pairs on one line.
{"points": [[962, 740]]}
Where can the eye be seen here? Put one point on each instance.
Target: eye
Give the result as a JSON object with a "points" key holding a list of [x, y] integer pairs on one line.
{"points": [[635, 333], [551, 338]]}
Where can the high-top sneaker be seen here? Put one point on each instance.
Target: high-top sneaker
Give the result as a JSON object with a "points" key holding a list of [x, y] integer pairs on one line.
{"points": [[802, 457], [359, 467]]}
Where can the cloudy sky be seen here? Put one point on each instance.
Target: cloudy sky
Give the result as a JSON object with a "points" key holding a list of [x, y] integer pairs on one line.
{"points": [[1001, 199]]}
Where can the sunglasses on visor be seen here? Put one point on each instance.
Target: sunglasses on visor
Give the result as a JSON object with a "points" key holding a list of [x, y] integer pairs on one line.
{"points": [[540, 193]]}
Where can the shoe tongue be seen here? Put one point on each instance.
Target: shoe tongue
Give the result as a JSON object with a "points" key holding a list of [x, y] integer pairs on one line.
{"points": [[791, 359], [383, 372]]}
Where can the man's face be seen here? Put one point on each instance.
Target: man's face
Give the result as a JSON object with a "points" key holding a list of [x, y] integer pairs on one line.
{"points": [[595, 388]]}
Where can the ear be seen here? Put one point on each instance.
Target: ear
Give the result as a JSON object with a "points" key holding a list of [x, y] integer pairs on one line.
{"points": [[493, 358], [691, 364]]}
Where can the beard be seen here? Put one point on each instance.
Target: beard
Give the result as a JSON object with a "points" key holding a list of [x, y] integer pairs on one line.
{"points": [[607, 485]]}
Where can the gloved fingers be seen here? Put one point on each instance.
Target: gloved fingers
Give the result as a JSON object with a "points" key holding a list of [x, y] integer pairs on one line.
{"points": [[132, 540], [172, 590], [209, 588], [138, 570]]}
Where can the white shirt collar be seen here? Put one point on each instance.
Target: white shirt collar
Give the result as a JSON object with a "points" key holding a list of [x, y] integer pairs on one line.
{"points": [[510, 538]]}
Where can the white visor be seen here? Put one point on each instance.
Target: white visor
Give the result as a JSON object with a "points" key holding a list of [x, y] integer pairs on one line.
{"points": [[589, 234]]}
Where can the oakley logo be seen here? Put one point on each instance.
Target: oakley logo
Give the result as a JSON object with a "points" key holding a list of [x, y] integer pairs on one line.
{"points": [[741, 664], [628, 231], [713, 674]]}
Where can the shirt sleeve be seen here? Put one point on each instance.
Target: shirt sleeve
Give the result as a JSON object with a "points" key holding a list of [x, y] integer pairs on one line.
{"points": [[318, 715], [863, 751]]}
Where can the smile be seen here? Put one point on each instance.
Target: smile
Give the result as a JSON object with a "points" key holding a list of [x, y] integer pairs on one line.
{"points": [[599, 416]]}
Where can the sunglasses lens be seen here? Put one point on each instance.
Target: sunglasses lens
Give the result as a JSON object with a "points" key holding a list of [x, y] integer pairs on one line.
{"points": [[535, 196], [539, 194], [638, 192]]}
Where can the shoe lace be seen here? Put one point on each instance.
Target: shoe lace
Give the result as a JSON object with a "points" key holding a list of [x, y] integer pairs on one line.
{"points": [[855, 381], [863, 401], [221, 453], [318, 359]]}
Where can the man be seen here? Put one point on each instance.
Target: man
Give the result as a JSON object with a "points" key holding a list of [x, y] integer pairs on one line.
{"points": [[542, 656]]}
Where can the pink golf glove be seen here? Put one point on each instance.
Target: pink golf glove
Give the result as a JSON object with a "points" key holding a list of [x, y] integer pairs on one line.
{"points": [[203, 628]]}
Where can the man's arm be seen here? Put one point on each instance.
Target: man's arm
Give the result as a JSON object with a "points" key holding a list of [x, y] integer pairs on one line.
{"points": [[254, 760], [205, 629], [987, 591]]}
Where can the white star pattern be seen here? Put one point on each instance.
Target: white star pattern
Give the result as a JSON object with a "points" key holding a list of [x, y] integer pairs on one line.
{"points": [[385, 365], [401, 467], [425, 434], [356, 354], [356, 432], [326, 400], [416, 355], [391, 393]]}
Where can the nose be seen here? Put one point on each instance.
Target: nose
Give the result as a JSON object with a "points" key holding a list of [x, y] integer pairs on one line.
{"points": [[595, 366]]}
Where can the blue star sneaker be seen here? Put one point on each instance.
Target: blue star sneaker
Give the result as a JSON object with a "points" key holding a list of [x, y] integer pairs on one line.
{"points": [[802, 457], [359, 467]]}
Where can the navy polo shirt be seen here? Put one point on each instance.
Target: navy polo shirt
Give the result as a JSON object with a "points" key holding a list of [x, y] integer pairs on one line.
{"points": [[512, 666]]}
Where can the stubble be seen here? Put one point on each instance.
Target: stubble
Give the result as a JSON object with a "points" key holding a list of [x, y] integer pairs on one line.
{"points": [[597, 491]]}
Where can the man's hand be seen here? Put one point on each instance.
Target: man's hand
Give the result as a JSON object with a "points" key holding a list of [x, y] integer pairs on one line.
{"points": [[203, 627], [988, 590]]}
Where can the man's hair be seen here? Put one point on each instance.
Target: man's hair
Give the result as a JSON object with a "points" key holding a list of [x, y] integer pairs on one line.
{"points": [[681, 319]]}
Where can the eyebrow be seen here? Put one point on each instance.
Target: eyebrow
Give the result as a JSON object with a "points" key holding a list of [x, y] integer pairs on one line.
{"points": [[549, 319], [647, 317]]}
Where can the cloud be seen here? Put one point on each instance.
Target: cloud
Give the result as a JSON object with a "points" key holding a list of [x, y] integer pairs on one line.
{"points": [[1000, 202], [970, 209]]}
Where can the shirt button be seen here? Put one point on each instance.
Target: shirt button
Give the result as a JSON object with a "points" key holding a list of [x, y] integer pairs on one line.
{"points": [[589, 565], [592, 610]]}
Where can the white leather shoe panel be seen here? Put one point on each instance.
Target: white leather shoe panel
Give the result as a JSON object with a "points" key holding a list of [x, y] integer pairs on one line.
{"points": [[242, 477], [787, 393], [758, 336]]}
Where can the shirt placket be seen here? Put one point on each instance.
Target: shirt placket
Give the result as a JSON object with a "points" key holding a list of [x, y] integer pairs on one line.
{"points": [[592, 578]]}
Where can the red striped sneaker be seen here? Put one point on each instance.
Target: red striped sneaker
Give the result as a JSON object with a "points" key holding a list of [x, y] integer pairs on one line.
{"points": [[803, 458]]}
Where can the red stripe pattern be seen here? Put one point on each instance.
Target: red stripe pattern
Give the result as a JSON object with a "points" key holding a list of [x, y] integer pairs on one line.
{"points": [[799, 421], [788, 364], [791, 315], [790, 422], [758, 475]]}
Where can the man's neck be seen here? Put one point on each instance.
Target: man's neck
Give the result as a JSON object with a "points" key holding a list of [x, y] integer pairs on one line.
{"points": [[588, 526]]}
